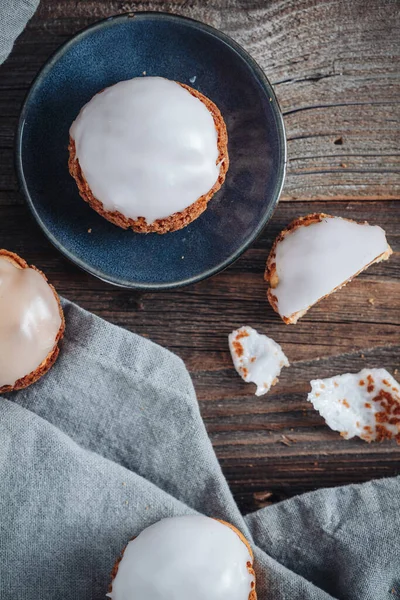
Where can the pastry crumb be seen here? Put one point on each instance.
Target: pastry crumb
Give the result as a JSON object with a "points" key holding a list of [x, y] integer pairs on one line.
{"points": [[286, 440]]}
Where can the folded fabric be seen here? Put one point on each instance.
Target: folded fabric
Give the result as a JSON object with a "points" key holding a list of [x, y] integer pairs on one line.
{"points": [[14, 15], [111, 440]]}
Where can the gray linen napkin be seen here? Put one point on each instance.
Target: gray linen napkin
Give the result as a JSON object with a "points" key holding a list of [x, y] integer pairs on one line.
{"points": [[111, 440], [14, 15]]}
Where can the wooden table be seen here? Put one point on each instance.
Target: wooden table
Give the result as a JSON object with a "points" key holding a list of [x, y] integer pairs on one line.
{"points": [[335, 69]]}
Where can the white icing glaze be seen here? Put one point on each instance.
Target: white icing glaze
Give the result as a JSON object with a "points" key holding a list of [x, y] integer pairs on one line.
{"points": [[313, 260], [184, 558], [257, 358], [147, 147], [349, 403], [29, 321]]}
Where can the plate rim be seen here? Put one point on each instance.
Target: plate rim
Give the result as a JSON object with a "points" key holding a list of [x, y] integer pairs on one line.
{"points": [[258, 74]]}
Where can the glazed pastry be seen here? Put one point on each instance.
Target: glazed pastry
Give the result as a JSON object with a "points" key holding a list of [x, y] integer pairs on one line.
{"points": [[31, 323], [149, 154], [182, 558], [317, 255]]}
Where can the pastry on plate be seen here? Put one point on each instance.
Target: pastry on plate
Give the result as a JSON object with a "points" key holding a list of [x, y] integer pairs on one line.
{"points": [[149, 154], [31, 323], [181, 558]]}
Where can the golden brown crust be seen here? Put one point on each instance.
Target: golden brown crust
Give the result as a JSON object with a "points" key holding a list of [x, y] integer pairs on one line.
{"points": [[179, 219], [253, 593], [271, 276], [53, 354], [114, 570]]}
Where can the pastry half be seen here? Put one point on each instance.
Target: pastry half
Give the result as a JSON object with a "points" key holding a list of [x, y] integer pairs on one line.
{"points": [[317, 255]]}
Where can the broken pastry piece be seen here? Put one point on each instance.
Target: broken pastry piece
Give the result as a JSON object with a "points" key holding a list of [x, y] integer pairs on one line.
{"points": [[257, 358], [364, 404], [31, 323], [317, 255]]}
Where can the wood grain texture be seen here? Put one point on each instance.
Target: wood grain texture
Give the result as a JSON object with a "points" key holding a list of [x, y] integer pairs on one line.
{"points": [[335, 69]]}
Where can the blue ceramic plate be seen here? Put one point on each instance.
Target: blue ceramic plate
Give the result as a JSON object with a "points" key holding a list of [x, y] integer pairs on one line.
{"points": [[169, 46]]}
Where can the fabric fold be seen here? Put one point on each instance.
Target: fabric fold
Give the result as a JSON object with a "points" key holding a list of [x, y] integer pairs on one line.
{"points": [[14, 16]]}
